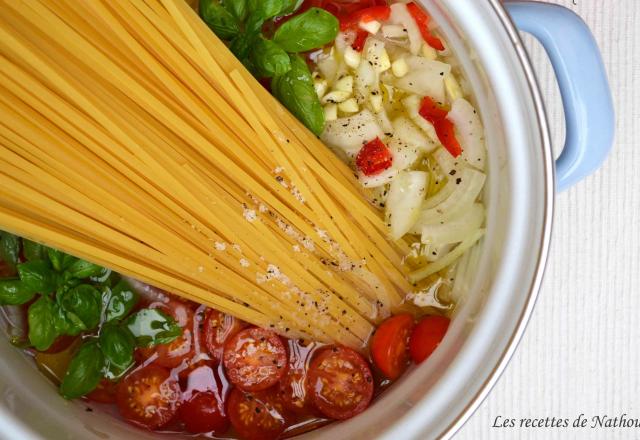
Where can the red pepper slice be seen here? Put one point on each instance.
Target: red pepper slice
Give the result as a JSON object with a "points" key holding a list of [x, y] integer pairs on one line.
{"points": [[374, 158], [361, 39], [422, 20], [445, 129], [380, 13]]}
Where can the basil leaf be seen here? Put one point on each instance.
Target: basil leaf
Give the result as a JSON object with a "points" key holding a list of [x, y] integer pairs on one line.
{"points": [[291, 6], [84, 372], [266, 9], [117, 344], [104, 276], [269, 59], [59, 260], [119, 301], [152, 327], [295, 91], [83, 269], [13, 292], [221, 21], [37, 276], [9, 248], [83, 306], [311, 29], [42, 323], [237, 7], [33, 251]]}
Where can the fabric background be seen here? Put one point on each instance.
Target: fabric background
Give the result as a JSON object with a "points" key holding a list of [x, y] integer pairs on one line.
{"points": [[581, 351]]}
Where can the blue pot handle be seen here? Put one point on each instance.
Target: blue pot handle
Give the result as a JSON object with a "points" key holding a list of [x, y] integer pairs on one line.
{"points": [[586, 97]]}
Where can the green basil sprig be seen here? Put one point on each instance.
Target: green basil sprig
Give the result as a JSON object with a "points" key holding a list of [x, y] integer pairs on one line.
{"points": [[271, 58], [85, 371], [117, 345], [312, 29], [295, 91], [152, 327], [43, 325], [118, 301], [9, 248]]}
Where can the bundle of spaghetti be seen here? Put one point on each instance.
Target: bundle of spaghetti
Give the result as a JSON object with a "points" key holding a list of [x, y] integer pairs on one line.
{"points": [[130, 136]]}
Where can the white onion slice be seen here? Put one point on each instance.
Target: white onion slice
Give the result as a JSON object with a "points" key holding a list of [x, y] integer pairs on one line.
{"points": [[351, 133], [400, 15], [407, 132], [469, 131], [404, 201], [456, 230]]}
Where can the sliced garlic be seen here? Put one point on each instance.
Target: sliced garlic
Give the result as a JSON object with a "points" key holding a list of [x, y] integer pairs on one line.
{"points": [[352, 57], [428, 52], [372, 26], [330, 112], [344, 84], [454, 91], [376, 101], [349, 106], [321, 86], [400, 67], [335, 97]]}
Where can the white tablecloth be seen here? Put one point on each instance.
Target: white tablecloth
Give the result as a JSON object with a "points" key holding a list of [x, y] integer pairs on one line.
{"points": [[581, 352]]}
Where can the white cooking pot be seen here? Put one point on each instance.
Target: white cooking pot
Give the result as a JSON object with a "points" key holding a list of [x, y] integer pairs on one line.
{"points": [[503, 276]]}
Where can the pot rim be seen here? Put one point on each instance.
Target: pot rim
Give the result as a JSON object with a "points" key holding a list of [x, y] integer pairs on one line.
{"points": [[543, 253]]}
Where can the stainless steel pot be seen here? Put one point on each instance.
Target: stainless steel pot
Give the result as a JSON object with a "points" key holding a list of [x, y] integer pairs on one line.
{"points": [[502, 277]]}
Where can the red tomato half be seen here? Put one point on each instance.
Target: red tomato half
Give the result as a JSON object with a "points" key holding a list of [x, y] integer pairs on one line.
{"points": [[105, 392], [257, 416], [182, 348], [218, 327], [294, 392], [426, 337], [374, 158], [390, 343], [255, 359], [204, 412], [340, 383], [148, 397]]}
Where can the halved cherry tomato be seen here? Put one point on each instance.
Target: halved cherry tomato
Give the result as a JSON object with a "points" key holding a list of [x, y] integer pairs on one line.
{"points": [[217, 328], [340, 382], [183, 347], [293, 391], [255, 359], [422, 20], [257, 416], [105, 392], [200, 376], [379, 13], [374, 158], [445, 129], [148, 397], [390, 343], [426, 337], [205, 412]]}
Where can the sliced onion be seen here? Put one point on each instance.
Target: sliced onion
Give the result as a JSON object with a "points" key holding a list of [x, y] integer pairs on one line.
{"points": [[468, 187], [328, 65], [351, 133], [407, 132], [366, 81], [400, 15], [448, 164], [379, 179], [455, 230], [469, 131], [425, 78], [404, 156], [404, 201], [448, 259]]}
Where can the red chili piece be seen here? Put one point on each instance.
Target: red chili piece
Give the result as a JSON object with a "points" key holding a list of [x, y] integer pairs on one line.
{"points": [[422, 20], [374, 158], [444, 127]]}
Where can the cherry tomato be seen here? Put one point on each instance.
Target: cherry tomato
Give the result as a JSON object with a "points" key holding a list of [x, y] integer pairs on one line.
{"points": [[218, 327], [257, 416], [183, 347], [340, 382], [374, 158], [204, 412], [426, 337], [200, 376], [293, 392], [422, 20], [148, 397], [255, 359], [105, 392], [390, 343]]}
